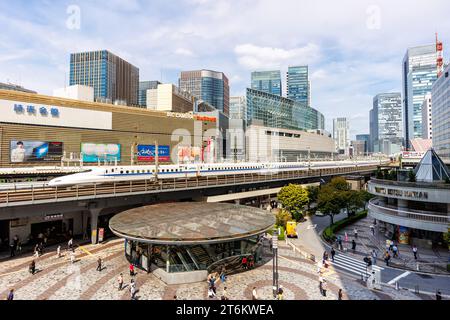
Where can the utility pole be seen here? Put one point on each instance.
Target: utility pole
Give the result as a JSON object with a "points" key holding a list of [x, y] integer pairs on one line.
{"points": [[156, 159], [275, 262]]}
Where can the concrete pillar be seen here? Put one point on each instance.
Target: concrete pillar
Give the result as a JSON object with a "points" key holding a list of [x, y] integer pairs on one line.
{"points": [[94, 221], [85, 216], [237, 201], [402, 205]]}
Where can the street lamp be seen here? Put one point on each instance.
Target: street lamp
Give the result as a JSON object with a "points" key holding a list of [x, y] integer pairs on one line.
{"points": [[275, 262]]}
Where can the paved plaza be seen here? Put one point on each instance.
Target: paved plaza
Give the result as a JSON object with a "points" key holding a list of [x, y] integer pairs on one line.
{"points": [[59, 279]]}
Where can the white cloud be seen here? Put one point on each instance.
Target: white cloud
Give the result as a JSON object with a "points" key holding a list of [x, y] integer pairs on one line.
{"points": [[254, 57], [184, 52]]}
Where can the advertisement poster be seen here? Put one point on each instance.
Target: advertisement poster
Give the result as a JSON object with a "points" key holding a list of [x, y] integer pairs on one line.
{"points": [[147, 153], [403, 235], [27, 151], [93, 152], [188, 154], [101, 233]]}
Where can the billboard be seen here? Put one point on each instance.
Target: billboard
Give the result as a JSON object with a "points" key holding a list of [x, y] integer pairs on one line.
{"points": [[26, 151], [147, 153], [93, 152]]}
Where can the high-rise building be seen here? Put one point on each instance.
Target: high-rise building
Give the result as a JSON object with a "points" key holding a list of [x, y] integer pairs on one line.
{"points": [[419, 74], [168, 97], [209, 86], [114, 80], [440, 114], [366, 139], [273, 111], [387, 123], [14, 87], [298, 85], [341, 135], [238, 108], [267, 81], [143, 87], [427, 128]]}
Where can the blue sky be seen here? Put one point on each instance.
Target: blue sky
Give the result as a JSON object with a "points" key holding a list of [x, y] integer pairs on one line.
{"points": [[354, 47]]}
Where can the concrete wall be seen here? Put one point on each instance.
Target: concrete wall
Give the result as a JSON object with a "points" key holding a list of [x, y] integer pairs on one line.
{"points": [[180, 277]]}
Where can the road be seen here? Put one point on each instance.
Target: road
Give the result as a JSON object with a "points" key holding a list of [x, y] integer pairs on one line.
{"points": [[310, 240]]}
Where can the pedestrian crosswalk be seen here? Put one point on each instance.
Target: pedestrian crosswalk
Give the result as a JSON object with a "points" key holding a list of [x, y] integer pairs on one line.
{"points": [[353, 265]]}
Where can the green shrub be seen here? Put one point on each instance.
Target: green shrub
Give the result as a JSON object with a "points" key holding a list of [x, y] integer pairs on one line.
{"points": [[328, 233]]}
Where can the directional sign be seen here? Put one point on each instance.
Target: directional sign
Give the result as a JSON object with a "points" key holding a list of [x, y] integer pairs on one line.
{"points": [[275, 242]]}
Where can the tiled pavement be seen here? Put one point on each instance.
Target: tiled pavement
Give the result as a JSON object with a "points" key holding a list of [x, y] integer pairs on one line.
{"points": [[59, 279]]}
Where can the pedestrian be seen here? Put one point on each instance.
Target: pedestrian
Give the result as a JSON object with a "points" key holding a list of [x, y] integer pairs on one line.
{"points": [[244, 262], [223, 276], [212, 281], [36, 250], [355, 233], [321, 285], [346, 237], [438, 295], [280, 293], [374, 222], [120, 281], [211, 293], [325, 256], [324, 288], [414, 249], [99, 264], [395, 251], [353, 245], [340, 294], [58, 252], [10, 295], [32, 267], [70, 244], [391, 245], [341, 247], [72, 257], [224, 294], [374, 257], [175, 297], [319, 266], [131, 270], [16, 242], [133, 289], [387, 257], [332, 254], [372, 228], [12, 250], [254, 294]]}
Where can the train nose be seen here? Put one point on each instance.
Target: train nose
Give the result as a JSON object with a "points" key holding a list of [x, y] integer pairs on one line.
{"points": [[55, 182]]}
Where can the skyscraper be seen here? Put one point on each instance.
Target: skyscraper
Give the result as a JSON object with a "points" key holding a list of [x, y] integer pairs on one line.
{"points": [[209, 86], [238, 108], [386, 124], [366, 139], [298, 85], [341, 134], [143, 87], [427, 128], [112, 78], [419, 74], [267, 81], [440, 114]]}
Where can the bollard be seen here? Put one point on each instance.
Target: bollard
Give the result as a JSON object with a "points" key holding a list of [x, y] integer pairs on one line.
{"points": [[396, 286], [417, 267]]}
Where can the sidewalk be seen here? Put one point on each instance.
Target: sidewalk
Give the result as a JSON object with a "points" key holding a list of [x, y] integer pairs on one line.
{"points": [[431, 261]]}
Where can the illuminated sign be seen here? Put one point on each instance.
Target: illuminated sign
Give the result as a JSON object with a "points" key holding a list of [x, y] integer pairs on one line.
{"points": [[205, 118]]}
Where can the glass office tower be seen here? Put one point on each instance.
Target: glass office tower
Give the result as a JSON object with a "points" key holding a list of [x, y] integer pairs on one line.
{"points": [[143, 87], [366, 139], [419, 74], [267, 81], [277, 112], [298, 85], [387, 122], [209, 86], [440, 114], [341, 135], [112, 78]]}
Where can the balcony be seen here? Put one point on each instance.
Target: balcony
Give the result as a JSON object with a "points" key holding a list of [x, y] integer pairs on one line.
{"points": [[424, 220]]}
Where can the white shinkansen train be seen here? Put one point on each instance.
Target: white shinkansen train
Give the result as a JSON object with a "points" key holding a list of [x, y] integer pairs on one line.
{"points": [[105, 174]]}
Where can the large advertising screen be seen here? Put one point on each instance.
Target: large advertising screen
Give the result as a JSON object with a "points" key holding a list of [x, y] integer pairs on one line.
{"points": [[27, 151], [147, 153], [93, 152]]}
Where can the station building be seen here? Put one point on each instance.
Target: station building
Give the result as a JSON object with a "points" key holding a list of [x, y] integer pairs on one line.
{"points": [[38, 130], [414, 212]]}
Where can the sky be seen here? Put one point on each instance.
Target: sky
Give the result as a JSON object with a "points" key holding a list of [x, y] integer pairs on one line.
{"points": [[354, 48]]}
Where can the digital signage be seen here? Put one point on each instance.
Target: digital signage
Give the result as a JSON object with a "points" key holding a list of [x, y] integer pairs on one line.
{"points": [[93, 152], [27, 151], [147, 153]]}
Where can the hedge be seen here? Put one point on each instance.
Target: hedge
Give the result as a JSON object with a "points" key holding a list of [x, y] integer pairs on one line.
{"points": [[328, 233], [280, 236]]}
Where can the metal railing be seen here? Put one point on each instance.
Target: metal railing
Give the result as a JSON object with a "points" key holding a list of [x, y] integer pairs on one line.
{"points": [[378, 206], [115, 189]]}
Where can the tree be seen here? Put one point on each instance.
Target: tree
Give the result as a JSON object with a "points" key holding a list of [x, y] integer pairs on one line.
{"points": [[294, 197], [330, 201], [379, 174], [339, 183], [366, 196], [411, 176], [313, 193], [282, 217], [354, 201]]}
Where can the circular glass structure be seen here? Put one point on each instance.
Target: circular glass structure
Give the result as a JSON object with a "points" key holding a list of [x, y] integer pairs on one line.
{"points": [[187, 223]]}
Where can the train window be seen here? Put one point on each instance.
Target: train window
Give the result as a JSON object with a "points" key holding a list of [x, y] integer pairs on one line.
{"points": [[127, 171], [121, 171]]}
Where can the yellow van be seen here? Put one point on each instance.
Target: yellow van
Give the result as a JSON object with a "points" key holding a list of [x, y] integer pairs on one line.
{"points": [[291, 231]]}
